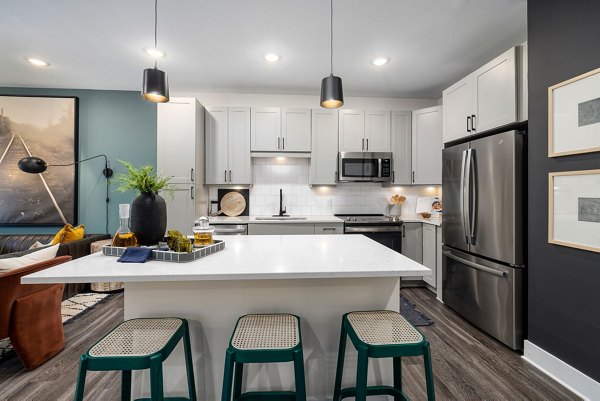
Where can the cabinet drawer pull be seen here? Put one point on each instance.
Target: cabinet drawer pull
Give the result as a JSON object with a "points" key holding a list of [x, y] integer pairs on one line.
{"points": [[225, 176], [473, 123], [367, 143], [192, 174], [413, 176], [229, 175], [283, 143], [192, 192], [328, 228], [363, 144], [278, 143], [468, 124]]}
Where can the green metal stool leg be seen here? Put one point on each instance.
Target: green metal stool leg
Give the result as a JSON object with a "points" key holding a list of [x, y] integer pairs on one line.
{"points": [[81, 378], [299, 374], [227, 376], [340, 365], [398, 376], [362, 373], [156, 379], [126, 385], [237, 380], [428, 372], [189, 363]]}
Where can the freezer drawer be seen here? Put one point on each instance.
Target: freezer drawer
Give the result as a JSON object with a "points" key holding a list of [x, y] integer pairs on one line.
{"points": [[487, 294]]}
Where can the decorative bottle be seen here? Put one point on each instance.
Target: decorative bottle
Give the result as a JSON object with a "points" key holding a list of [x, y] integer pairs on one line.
{"points": [[124, 237]]}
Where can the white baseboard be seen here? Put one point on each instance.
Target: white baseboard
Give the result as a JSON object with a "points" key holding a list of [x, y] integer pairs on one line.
{"points": [[576, 381]]}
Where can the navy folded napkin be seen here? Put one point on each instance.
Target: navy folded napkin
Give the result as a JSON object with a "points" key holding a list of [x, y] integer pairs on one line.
{"points": [[135, 255]]}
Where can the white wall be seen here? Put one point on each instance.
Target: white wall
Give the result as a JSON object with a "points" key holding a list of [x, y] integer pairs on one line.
{"points": [[262, 100], [291, 175]]}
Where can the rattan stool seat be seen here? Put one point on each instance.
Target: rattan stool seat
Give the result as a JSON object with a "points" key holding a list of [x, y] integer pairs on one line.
{"points": [[137, 337], [383, 328], [273, 331]]}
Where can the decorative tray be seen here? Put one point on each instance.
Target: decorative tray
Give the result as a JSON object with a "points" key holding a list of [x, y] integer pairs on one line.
{"points": [[171, 256]]}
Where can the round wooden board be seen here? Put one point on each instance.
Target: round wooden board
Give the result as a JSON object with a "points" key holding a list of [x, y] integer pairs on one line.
{"points": [[233, 204]]}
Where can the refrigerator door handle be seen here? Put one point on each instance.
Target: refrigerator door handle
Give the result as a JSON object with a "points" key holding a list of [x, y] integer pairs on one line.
{"points": [[473, 196], [462, 194], [475, 265]]}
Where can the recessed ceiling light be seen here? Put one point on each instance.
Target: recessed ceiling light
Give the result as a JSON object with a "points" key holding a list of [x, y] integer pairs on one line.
{"points": [[272, 57], [154, 52], [379, 61], [37, 62]]}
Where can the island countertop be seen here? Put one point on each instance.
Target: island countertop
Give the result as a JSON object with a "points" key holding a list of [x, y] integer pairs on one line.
{"points": [[247, 258]]}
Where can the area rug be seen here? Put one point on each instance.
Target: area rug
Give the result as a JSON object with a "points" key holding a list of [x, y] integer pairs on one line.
{"points": [[70, 309], [412, 314]]}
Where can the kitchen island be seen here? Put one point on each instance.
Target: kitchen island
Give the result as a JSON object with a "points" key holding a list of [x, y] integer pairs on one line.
{"points": [[318, 278]]}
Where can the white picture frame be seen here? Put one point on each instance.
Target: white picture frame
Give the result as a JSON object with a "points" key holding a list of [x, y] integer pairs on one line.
{"points": [[574, 115], [574, 209]]}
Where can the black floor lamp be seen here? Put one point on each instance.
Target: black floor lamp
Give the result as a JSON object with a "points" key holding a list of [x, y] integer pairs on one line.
{"points": [[35, 165]]}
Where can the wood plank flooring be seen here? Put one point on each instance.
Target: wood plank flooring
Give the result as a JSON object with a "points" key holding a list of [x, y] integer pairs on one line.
{"points": [[468, 364]]}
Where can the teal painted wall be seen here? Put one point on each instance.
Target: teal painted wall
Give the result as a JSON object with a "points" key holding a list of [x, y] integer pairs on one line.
{"points": [[119, 124]]}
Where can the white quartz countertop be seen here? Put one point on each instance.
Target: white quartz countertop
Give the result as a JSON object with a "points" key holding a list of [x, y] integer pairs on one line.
{"points": [[249, 257], [253, 220]]}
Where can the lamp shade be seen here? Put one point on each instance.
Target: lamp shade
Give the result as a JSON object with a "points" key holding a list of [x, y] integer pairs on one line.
{"points": [[155, 87], [332, 95], [33, 165]]}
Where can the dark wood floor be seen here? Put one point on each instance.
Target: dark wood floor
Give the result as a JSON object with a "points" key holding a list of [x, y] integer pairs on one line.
{"points": [[468, 364]]}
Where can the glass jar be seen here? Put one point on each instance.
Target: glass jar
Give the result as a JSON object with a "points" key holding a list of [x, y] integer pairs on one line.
{"points": [[203, 233]]}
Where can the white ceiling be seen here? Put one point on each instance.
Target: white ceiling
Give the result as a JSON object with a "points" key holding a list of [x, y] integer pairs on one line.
{"points": [[217, 46]]}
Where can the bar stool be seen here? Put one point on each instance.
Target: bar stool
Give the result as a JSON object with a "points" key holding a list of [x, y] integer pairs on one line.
{"points": [[380, 334], [262, 339], [139, 344]]}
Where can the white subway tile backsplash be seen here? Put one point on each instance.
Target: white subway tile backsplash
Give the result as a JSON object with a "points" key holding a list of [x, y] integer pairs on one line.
{"points": [[291, 175]]}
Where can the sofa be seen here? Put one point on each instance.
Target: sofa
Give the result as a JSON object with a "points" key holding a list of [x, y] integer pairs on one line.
{"points": [[19, 244], [30, 314]]}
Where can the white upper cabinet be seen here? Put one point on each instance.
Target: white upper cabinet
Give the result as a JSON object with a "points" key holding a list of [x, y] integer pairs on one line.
{"points": [[377, 131], [265, 129], [296, 130], [459, 103], [483, 100], [401, 147], [427, 146], [240, 162], [364, 131], [176, 139], [227, 139], [323, 161], [351, 130], [217, 145], [496, 93]]}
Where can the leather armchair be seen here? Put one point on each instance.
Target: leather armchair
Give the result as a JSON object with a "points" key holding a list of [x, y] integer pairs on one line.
{"points": [[30, 314]]}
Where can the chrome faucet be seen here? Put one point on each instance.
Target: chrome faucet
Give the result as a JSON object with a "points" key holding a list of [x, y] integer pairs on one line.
{"points": [[282, 211]]}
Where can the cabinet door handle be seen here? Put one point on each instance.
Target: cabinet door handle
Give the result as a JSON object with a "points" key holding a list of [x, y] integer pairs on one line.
{"points": [[468, 124], [328, 228], [403, 232], [283, 143], [413, 176], [229, 175], [192, 174], [363, 144], [225, 176], [367, 143], [278, 143], [393, 176], [192, 192], [473, 123]]}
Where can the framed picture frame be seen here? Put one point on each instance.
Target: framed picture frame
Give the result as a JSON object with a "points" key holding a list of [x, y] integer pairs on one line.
{"points": [[574, 115], [574, 209], [46, 127]]}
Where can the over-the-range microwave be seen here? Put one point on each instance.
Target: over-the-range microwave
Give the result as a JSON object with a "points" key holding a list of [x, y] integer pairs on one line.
{"points": [[365, 167]]}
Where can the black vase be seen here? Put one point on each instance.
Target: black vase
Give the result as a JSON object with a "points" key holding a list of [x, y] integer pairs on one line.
{"points": [[149, 218]]}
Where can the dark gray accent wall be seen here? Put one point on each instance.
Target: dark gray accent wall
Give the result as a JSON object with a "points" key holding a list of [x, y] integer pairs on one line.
{"points": [[564, 283]]}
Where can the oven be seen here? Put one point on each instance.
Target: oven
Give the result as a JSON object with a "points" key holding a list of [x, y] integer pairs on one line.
{"points": [[365, 167], [383, 229]]}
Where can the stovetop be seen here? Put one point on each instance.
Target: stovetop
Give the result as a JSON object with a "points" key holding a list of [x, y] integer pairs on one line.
{"points": [[369, 219]]}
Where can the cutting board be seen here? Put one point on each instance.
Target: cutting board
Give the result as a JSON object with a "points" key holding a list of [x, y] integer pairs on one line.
{"points": [[245, 193]]}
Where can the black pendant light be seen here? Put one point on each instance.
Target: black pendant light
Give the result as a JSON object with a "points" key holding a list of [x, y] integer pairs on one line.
{"points": [[332, 95], [155, 87]]}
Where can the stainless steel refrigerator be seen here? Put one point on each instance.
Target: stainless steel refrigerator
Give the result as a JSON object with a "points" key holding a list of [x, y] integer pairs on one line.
{"points": [[483, 253]]}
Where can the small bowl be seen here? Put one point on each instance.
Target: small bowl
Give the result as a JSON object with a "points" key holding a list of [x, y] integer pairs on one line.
{"points": [[425, 215]]}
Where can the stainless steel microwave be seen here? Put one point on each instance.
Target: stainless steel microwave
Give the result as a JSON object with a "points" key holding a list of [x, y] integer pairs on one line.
{"points": [[365, 167]]}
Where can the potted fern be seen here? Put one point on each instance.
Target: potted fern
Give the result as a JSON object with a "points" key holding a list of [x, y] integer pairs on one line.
{"points": [[148, 209]]}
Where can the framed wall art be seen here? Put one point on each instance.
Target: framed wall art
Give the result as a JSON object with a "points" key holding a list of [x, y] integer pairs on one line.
{"points": [[574, 115], [574, 209], [45, 127]]}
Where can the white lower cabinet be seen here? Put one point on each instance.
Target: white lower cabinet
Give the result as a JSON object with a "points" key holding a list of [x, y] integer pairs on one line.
{"points": [[412, 241], [295, 228], [429, 253], [422, 243]]}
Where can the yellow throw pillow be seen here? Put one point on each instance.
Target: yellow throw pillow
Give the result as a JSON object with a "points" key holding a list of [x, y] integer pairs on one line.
{"points": [[68, 234]]}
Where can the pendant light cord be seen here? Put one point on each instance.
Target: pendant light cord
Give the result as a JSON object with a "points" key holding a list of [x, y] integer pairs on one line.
{"points": [[155, 29], [331, 38]]}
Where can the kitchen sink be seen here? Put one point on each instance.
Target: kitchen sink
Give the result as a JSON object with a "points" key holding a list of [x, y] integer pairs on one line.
{"points": [[286, 218]]}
